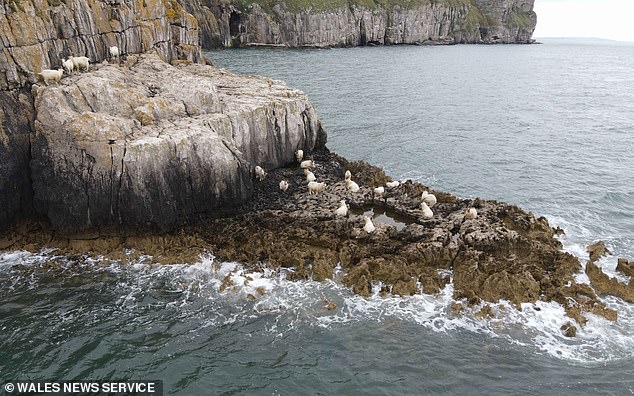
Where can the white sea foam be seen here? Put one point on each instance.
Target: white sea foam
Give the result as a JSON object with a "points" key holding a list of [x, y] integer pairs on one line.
{"points": [[190, 290]]}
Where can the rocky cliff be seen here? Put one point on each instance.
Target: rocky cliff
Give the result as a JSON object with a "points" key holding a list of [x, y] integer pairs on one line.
{"points": [[142, 143], [151, 144], [362, 22], [37, 34]]}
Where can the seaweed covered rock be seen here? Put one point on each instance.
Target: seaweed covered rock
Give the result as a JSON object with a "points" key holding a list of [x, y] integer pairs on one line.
{"points": [[504, 253]]}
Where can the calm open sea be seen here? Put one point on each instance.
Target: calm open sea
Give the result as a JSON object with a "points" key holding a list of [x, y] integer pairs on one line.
{"points": [[549, 127]]}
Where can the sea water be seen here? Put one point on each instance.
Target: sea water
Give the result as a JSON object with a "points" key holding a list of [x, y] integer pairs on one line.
{"points": [[549, 127]]}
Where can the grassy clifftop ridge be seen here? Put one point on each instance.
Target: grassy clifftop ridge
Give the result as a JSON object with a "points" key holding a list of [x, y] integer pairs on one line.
{"points": [[332, 5]]}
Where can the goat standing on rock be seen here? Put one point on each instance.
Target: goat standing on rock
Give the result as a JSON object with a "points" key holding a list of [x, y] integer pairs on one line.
{"points": [[352, 186], [310, 176], [68, 65], [427, 212], [369, 226], [114, 52], [260, 173], [80, 62], [470, 214], [429, 199], [48, 74], [316, 188]]}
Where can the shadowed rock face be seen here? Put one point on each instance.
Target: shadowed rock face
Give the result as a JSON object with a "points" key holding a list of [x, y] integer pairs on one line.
{"points": [[16, 112], [353, 23], [152, 144]]}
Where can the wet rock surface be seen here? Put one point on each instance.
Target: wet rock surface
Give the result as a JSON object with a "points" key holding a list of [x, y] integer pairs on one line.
{"points": [[504, 253], [604, 284]]}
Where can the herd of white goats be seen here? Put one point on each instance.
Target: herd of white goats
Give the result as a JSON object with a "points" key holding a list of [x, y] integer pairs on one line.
{"points": [[72, 63], [427, 200]]}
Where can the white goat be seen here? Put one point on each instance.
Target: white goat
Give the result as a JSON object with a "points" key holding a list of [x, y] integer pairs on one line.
{"points": [[369, 226], [114, 52], [283, 185], [316, 188], [307, 164], [352, 186], [299, 154], [310, 176], [68, 65], [80, 62], [348, 175], [470, 214], [393, 184], [427, 213], [342, 211], [429, 199], [48, 74], [260, 173]]}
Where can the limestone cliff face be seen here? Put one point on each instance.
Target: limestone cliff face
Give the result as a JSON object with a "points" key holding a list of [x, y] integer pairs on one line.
{"points": [[144, 143], [37, 34], [16, 116], [355, 23], [155, 144]]}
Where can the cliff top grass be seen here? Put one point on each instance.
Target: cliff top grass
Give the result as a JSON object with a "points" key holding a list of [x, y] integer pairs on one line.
{"points": [[332, 5], [522, 20]]}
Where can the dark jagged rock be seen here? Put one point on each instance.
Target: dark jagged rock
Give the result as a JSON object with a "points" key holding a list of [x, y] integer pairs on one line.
{"points": [[625, 267], [569, 329], [505, 253], [601, 282], [16, 118], [597, 250]]}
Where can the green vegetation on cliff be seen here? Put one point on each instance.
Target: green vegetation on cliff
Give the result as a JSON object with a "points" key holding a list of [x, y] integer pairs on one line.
{"points": [[332, 5], [293, 5], [522, 20]]}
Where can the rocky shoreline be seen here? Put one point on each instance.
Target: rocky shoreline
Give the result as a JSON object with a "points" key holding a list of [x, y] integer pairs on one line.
{"points": [[503, 254], [155, 157]]}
